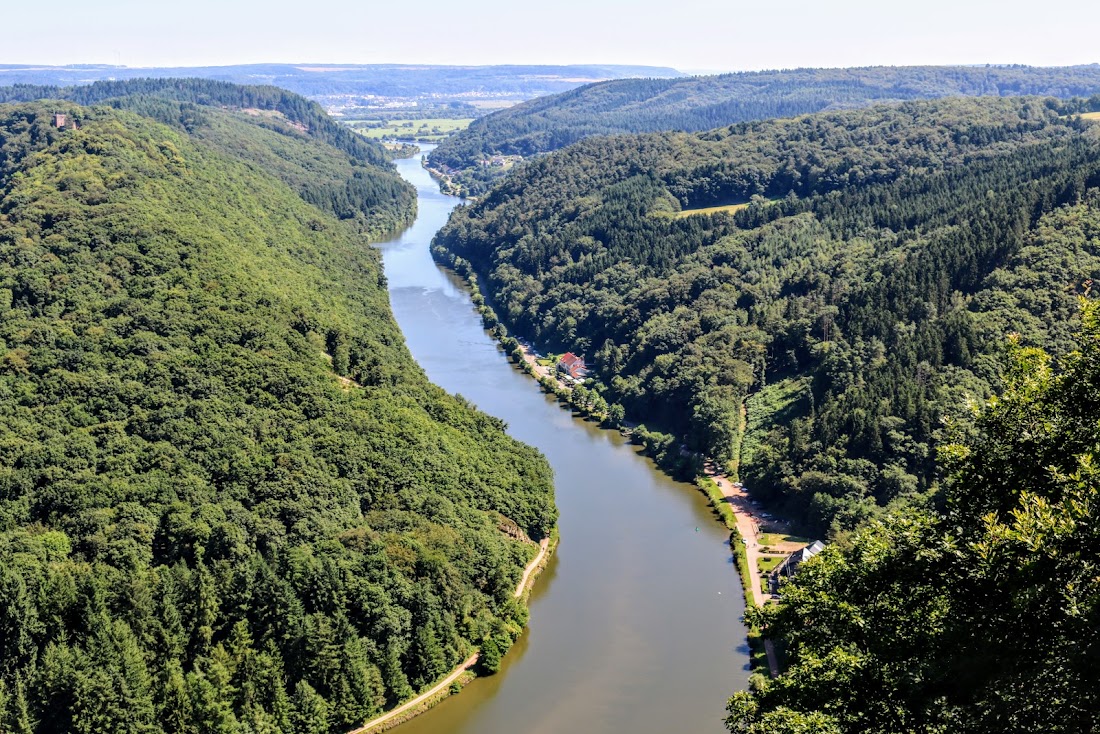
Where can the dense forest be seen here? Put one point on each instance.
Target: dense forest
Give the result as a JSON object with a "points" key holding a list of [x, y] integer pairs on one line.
{"points": [[815, 335], [328, 164], [229, 499], [980, 617], [707, 102]]}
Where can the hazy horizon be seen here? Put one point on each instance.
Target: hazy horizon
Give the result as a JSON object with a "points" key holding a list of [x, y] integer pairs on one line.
{"points": [[335, 65], [700, 35]]}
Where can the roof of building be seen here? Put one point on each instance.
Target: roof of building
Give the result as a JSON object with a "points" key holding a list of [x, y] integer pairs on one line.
{"points": [[569, 359], [788, 566], [811, 550]]}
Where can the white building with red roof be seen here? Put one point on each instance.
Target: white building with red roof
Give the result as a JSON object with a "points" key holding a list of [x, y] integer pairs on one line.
{"points": [[573, 366]]}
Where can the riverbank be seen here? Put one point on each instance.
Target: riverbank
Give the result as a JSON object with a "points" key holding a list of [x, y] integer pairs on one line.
{"points": [[447, 186], [465, 672], [624, 621], [743, 518], [728, 498]]}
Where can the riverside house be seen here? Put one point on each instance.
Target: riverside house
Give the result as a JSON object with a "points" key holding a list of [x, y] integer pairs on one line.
{"points": [[573, 366], [789, 567]]}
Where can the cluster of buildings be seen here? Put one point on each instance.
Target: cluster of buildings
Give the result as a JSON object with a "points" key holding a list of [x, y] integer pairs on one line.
{"points": [[499, 160]]}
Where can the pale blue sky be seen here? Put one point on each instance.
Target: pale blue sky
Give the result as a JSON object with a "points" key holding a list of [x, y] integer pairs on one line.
{"points": [[686, 34]]}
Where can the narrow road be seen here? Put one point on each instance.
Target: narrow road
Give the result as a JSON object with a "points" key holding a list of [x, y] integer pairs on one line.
{"points": [[465, 665], [540, 371], [530, 569], [749, 529], [414, 702]]}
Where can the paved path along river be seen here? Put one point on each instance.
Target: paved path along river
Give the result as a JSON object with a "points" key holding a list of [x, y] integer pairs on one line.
{"points": [[636, 621]]}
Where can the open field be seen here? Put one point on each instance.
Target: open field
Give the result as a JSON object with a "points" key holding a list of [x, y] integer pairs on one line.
{"points": [[774, 539], [775, 404], [426, 129], [767, 564], [729, 208], [1090, 115]]}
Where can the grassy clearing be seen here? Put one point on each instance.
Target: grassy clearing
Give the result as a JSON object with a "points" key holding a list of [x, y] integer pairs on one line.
{"points": [[1090, 115], [767, 564], [426, 129], [729, 209], [777, 538], [734, 468], [547, 360], [773, 406]]}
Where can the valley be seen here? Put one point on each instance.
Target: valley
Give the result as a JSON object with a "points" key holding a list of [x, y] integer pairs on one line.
{"points": [[640, 556], [547, 397]]}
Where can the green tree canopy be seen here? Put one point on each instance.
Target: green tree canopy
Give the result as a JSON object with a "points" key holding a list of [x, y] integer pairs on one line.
{"points": [[981, 617]]}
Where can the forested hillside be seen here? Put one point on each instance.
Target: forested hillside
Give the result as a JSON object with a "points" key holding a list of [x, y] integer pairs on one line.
{"points": [[980, 618], [275, 130], [707, 102], [860, 293], [229, 499]]}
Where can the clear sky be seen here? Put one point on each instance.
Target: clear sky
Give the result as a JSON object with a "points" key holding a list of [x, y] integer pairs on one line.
{"points": [[686, 34]]}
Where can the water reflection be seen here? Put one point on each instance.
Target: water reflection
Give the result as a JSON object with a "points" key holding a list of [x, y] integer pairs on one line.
{"points": [[635, 624]]}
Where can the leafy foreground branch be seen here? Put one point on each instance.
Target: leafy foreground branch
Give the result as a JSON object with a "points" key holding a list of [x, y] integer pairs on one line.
{"points": [[979, 617]]}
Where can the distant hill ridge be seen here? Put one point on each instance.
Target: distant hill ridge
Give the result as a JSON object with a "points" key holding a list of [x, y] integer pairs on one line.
{"points": [[706, 102], [389, 80]]}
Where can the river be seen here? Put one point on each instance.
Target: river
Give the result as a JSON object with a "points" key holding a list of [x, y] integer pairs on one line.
{"points": [[636, 622]]}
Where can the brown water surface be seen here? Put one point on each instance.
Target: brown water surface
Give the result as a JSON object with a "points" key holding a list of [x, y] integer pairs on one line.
{"points": [[636, 622]]}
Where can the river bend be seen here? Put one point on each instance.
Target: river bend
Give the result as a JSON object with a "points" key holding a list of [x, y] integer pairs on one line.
{"points": [[636, 622]]}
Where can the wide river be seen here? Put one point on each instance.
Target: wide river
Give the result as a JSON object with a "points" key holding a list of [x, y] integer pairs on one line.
{"points": [[636, 622]]}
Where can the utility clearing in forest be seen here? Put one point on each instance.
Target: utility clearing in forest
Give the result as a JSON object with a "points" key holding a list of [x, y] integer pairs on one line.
{"points": [[728, 208]]}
